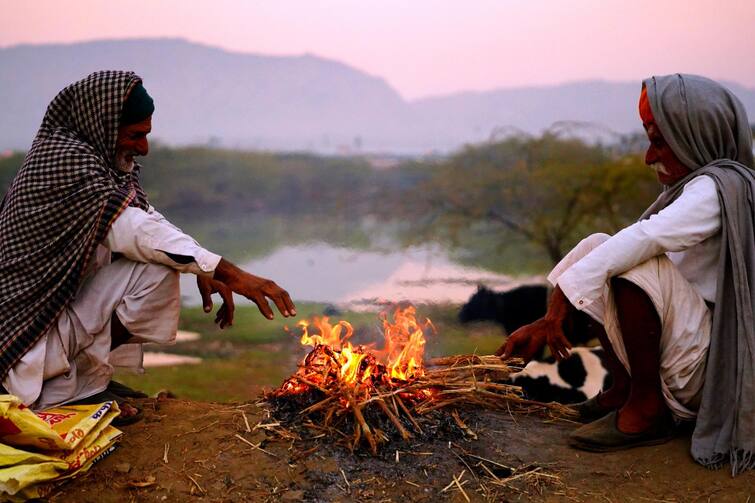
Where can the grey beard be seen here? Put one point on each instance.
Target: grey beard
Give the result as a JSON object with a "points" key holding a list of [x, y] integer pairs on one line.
{"points": [[658, 167], [122, 164]]}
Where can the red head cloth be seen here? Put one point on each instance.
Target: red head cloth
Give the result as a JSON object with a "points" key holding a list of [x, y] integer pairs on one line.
{"points": [[645, 113]]}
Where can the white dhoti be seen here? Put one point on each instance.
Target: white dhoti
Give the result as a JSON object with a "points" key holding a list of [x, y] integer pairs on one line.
{"points": [[73, 359], [685, 320]]}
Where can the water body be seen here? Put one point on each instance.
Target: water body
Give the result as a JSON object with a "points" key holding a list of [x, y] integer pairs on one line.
{"points": [[322, 272]]}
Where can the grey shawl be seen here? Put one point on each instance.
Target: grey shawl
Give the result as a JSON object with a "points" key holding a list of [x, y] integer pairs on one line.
{"points": [[706, 126]]}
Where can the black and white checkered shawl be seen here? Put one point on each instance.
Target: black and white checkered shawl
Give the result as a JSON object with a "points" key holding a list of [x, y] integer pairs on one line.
{"points": [[60, 206]]}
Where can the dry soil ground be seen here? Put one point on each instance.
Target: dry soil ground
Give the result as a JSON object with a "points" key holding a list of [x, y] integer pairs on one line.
{"points": [[191, 451]]}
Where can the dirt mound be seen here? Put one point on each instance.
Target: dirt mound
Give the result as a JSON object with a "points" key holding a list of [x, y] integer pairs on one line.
{"points": [[185, 450]]}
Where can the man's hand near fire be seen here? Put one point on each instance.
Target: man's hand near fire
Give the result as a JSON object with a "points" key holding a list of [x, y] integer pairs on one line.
{"points": [[528, 341], [229, 279]]}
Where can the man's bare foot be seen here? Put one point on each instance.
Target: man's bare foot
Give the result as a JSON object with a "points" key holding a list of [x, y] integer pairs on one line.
{"points": [[128, 410], [641, 412]]}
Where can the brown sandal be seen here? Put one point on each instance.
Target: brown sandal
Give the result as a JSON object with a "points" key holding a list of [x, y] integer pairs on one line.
{"points": [[590, 410]]}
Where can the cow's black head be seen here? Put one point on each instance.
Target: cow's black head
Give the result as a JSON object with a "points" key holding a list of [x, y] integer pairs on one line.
{"points": [[482, 305], [512, 309]]}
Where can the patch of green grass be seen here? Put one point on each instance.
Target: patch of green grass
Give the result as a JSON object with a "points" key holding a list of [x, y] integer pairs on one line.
{"points": [[237, 379]]}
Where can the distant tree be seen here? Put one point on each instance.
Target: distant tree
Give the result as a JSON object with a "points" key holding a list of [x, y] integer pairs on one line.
{"points": [[550, 190]]}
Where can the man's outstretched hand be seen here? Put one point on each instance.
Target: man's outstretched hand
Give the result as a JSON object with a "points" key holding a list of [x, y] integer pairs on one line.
{"points": [[254, 288], [528, 341], [208, 286], [524, 343]]}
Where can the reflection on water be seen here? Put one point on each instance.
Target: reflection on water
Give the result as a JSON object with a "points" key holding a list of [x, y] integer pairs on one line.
{"points": [[323, 273]]}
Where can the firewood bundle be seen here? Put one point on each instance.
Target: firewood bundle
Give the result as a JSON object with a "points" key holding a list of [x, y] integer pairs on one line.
{"points": [[370, 412]]}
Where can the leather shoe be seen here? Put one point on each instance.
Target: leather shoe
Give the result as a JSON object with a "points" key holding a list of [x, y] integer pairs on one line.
{"points": [[604, 435], [590, 410]]}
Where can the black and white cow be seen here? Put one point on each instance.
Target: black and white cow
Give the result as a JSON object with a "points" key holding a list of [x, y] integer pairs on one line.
{"points": [[580, 376]]}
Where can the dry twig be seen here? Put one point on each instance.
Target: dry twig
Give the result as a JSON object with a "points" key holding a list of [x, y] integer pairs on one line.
{"points": [[471, 381], [357, 410], [255, 446]]}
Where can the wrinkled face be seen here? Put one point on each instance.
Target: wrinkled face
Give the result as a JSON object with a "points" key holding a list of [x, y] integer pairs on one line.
{"points": [[668, 168], [132, 141]]}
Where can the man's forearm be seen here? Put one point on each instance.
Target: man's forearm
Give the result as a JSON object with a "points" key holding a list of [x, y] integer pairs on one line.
{"points": [[226, 271], [238, 279], [559, 306]]}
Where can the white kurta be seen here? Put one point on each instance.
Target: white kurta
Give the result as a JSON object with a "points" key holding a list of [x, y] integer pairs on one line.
{"points": [[688, 231], [148, 237], [673, 257], [72, 360]]}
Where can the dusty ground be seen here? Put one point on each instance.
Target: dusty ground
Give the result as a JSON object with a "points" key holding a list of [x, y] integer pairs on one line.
{"points": [[206, 460]]}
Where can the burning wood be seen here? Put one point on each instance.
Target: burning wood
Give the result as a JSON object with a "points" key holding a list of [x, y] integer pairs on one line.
{"points": [[379, 393]]}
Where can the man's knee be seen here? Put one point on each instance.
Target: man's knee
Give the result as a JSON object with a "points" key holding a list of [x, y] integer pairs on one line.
{"points": [[150, 309], [595, 240], [161, 277], [587, 245], [154, 285], [582, 249]]}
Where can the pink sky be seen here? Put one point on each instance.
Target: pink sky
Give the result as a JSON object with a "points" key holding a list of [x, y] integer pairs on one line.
{"points": [[428, 47]]}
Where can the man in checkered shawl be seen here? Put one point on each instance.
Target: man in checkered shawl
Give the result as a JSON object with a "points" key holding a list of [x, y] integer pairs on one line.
{"points": [[86, 264]]}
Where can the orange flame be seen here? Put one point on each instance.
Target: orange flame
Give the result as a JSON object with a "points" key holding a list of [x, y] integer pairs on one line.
{"points": [[334, 357], [404, 343], [330, 335]]}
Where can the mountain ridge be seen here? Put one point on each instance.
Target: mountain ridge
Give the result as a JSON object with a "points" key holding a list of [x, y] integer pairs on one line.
{"points": [[212, 96]]}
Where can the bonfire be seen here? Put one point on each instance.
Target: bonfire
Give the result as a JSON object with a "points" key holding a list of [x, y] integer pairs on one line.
{"points": [[376, 393]]}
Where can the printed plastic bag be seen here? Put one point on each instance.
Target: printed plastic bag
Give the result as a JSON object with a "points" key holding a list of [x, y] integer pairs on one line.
{"points": [[61, 428], [37, 451]]}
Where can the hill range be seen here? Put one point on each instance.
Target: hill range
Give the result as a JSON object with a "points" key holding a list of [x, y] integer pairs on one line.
{"points": [[210, 96]]}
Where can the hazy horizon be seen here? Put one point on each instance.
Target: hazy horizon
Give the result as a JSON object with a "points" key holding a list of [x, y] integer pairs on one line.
{"points": [[418, 98], [424, 49]]}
